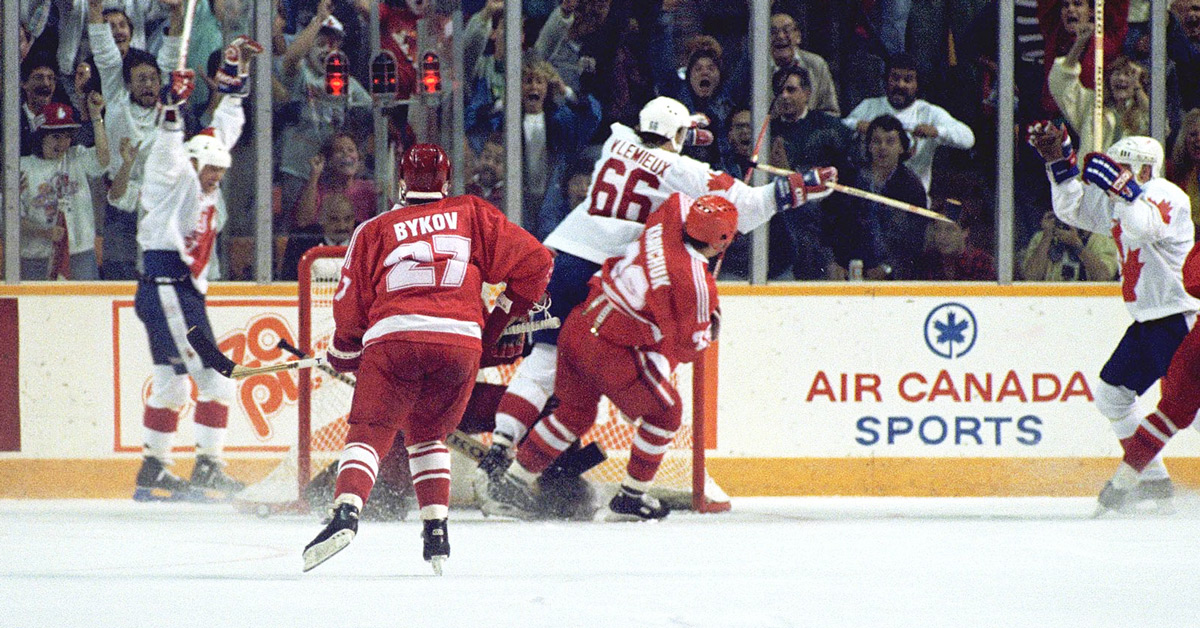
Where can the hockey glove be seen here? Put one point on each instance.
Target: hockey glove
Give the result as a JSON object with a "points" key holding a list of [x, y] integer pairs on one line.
{"points": [[1108, 175], [343, 355], [1062, 166], [508, 307], [698, 134], [802, 187], [233, 77], [178, 88]]}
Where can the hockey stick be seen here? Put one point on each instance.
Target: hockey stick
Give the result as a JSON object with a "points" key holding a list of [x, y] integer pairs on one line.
{"points": [[214, 359], [762, 134], [870, 196], [461, 442], [1098, 77], [186, 37]]}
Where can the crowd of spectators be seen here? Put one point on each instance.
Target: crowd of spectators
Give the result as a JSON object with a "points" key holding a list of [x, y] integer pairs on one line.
{"points": [[900, 95]]}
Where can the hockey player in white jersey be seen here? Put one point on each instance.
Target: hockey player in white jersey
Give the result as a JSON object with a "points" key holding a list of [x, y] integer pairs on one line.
{"points": [[636, 172], [1123, 192], [177, 233]]}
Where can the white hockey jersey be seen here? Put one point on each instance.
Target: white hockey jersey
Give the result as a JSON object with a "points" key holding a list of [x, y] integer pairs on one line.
{"points": [[630, 181], [1154, 234], [179, 217]]}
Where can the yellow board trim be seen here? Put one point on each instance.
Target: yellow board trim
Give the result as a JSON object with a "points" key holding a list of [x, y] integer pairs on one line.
{"points": [[920, 289], [740, 477]]}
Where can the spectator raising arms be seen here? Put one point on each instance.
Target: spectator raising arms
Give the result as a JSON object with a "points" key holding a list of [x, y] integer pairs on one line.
{"points": [[335, 170], [58, 231], [1126, 104]]}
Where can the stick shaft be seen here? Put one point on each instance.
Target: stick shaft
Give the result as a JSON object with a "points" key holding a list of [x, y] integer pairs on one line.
{"points": [[240, 371], [186, 37], [871, 196], [1098, 77]]}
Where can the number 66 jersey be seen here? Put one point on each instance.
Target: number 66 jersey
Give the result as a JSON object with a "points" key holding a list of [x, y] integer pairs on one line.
{"points": [[415, 273], [631, 180]]}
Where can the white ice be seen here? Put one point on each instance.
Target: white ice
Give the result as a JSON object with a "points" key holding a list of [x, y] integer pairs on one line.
{"points": [[772, 562]]}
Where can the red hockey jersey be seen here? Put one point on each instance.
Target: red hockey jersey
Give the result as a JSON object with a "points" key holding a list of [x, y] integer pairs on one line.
{"points": [[416, 273], [660, 296]]}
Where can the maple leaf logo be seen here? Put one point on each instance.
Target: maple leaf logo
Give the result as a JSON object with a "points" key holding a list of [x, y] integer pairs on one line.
{"points": [[719, 181], [1131, 271], [951, 330], [1164, 209]]}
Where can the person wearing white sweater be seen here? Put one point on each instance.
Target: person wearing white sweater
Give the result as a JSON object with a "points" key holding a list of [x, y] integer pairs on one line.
{"points": [[929, 125]]}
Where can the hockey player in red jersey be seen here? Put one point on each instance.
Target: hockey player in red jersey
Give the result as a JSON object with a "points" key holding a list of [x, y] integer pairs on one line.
{"points": [[410, 323], [1176, 409], [647, 312]]}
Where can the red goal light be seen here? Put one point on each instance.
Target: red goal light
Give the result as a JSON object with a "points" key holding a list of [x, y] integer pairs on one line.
{"points": [[431, 73], [336, 73]]}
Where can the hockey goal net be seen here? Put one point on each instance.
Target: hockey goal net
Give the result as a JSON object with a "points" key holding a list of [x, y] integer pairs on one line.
{"points": [[324, 403]]}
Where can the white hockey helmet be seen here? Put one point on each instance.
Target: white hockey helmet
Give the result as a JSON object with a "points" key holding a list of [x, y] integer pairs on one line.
{"points": [[665, 116], [1138, 151], [207, 150]]}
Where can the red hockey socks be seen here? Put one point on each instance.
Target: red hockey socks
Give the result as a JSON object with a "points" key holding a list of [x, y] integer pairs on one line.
{"points": [[1151, 436], [548, 438], [646, 454], [430, 465], [358, 467]]}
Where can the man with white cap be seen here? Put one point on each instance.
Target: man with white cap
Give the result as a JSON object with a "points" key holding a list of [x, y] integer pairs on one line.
{"points": [[1123, 192], [638, 170]]}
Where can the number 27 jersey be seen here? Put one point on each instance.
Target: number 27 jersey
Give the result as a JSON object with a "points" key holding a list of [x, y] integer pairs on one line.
{"points": [[416, 273], [630, 181]]}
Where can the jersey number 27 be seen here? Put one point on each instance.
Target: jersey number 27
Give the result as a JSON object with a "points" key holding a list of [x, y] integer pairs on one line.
{"points": [[624, 203], [411, 263]]}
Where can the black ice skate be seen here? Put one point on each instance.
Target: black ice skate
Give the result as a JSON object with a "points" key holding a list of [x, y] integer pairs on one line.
{"points": [[1118, 493], [495, 462], [1161, 491], [509, 496], [155, 483], [634, 505], [210, 481], [437, 543], [334, 538]]}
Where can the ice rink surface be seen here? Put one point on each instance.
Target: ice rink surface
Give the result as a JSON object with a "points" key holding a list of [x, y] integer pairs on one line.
{"points": [[772, 562]]}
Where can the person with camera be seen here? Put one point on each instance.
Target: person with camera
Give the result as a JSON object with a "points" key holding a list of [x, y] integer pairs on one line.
{"points": [[1060, 252]]}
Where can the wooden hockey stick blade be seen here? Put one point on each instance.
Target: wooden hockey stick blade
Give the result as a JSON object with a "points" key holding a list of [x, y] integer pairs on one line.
{"points": [[870, 196], [459, 441], [214, 359]]}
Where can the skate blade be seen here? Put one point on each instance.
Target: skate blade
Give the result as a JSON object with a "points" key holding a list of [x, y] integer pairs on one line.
{"points": [[436, 562], [148, 494], [325, 550]]}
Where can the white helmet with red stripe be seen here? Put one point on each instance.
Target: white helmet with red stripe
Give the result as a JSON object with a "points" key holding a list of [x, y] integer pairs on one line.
{"points": [[207, 150]]}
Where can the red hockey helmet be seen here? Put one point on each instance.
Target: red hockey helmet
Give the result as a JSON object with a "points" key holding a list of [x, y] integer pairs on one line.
{"points": [[424, 172], [713, 221]]}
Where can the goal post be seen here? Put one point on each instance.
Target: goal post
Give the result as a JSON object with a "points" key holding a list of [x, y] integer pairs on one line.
{"points": [[323, 405]]}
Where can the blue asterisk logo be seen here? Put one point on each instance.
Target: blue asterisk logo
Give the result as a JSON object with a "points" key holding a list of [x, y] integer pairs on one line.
{"points": [[950, 330]]}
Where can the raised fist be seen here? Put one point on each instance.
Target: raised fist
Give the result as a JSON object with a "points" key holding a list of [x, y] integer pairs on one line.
{"points": [[178, 89], [1053, 143], [233, 75]]}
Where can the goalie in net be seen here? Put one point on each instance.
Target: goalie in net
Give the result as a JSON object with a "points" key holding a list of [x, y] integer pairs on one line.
{"points": [[410, 323]]}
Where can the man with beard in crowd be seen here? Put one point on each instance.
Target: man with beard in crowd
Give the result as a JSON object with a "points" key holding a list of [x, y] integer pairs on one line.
{"points": [[929, 125]]}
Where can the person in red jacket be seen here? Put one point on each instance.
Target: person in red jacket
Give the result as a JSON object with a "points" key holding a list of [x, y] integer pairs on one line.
{"points": [[1176, 411], [647, 312], [410, 323]]}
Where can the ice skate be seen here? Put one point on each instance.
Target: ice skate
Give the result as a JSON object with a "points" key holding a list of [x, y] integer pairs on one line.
{"points": [[210, 480], [1118, 493], [1161, 491], [437, 543], [156, 483], [509, 496], [335, 537], [632, 505], [495, 462]]}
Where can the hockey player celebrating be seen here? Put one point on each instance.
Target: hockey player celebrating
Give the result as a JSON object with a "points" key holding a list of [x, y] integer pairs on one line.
{"points": [[179, 196], [636, 172], [648, 311], [1150, 219], [409, 321]]}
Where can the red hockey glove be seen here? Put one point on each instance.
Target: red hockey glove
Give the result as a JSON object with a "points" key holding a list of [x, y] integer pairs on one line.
{"points": [[343, 355], [506, 351], [802, 187], [508, 307], [1053, 143], [234, 74], [178, 88], [698, 133]]}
